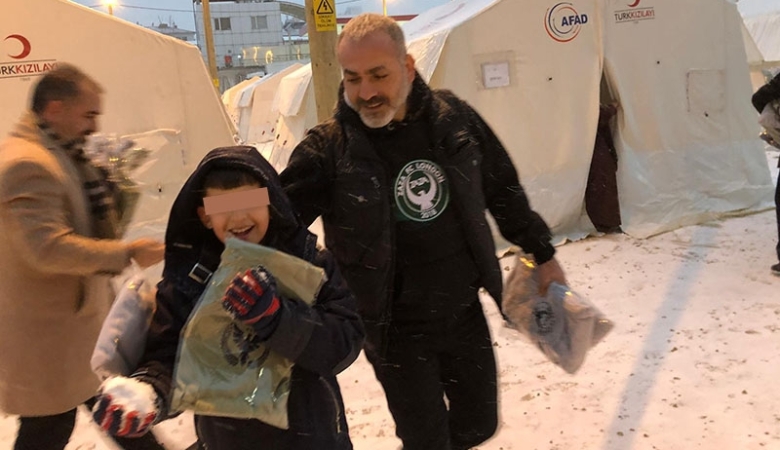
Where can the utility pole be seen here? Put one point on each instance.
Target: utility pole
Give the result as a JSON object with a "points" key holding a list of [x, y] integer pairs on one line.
{"points": [[210, 43], [325, 72], [110, 5]]}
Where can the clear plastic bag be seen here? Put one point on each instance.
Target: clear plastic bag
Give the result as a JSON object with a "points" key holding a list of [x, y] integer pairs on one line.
{"points": [[221, 368], [562, 324]]}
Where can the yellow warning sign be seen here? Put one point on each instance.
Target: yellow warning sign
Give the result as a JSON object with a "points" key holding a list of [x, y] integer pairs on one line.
{"points": [[324, 15]]}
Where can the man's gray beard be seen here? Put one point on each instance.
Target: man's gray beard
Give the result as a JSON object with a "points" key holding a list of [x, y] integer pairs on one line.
{"points": [[372, 122]]}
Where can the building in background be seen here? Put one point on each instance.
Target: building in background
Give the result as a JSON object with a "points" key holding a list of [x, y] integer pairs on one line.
{"points": [[254, 37], [250, 37], [170, 29]]}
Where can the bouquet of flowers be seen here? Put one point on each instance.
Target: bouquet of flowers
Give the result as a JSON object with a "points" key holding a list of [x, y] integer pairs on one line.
{"points": [[118, 157]]}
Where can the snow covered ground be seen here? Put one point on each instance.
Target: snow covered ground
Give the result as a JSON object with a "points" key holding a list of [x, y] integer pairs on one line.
{"points": [[692, 362]]}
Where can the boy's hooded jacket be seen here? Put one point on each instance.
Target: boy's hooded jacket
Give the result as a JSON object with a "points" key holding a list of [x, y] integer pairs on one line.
{"points": [[321, 340]]}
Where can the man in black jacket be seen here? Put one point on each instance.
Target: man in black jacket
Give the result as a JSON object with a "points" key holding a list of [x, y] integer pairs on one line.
{"points": [[761, 98], [402, 176]]}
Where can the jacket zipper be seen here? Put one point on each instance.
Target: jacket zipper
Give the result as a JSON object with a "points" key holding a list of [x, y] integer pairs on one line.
{"points": [[336, 406], [390, 280]]}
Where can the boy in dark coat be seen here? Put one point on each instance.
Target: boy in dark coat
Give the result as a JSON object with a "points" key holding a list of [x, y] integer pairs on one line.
{"points": [[321, 340]]}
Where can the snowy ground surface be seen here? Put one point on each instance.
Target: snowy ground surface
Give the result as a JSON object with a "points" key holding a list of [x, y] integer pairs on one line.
{"points": [[692, 363]]}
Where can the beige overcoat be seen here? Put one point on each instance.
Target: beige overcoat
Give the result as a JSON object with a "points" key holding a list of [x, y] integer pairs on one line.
{"points": [[54, 283]]}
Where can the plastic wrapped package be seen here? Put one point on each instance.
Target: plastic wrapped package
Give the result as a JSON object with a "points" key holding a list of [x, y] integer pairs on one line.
{"points": [[122, 338], [222, 369], [770, 120], [562, 324]]}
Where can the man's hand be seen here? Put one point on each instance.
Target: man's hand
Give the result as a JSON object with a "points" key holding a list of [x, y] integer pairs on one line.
{"points": [[146, 252], [251, 298], [549, 272], [126, 407]]}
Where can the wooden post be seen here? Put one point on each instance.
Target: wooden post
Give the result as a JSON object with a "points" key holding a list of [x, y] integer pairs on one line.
{"points": [[326, 73], [210, 44]]}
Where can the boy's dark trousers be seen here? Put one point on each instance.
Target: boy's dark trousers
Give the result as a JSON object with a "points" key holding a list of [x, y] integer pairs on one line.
{"points": [[427, 361], [53, 433]]}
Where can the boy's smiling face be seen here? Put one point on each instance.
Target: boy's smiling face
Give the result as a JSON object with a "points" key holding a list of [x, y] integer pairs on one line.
{"points": [[249, 225]]}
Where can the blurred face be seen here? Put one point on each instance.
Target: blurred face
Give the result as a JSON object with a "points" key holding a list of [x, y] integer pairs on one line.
{"points": [[377, 80], [74, 119], [249, 225]]}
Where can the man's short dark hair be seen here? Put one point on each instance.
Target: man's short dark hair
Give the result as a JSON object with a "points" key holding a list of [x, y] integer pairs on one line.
{"points": [[359, 27], [63, 82]]}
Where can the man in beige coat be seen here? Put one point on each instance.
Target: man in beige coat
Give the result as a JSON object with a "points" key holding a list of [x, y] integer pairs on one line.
{"points": [[58, 249]]}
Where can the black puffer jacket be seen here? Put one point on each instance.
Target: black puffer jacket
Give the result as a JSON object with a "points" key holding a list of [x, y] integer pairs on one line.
{"points": [[322, 339], [335, 172]]}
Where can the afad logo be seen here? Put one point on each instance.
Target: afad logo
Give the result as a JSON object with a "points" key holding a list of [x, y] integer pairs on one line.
{"points": [[563, 23], [634, 13], [18, 48]]}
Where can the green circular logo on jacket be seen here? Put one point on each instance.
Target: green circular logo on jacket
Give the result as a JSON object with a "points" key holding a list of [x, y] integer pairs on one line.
{"points": [[421, 191]]}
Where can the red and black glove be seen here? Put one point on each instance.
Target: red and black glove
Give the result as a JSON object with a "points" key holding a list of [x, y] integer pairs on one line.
{"points": [[126, 407], [251, 298]]}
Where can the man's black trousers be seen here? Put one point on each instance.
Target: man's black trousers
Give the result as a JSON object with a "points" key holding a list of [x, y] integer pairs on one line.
{"points": [[427, 362]]}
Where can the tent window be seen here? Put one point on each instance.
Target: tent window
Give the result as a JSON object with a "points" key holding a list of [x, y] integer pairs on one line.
{"points": [[222, 23], [259, 22], [495, 70], [706, 91]]}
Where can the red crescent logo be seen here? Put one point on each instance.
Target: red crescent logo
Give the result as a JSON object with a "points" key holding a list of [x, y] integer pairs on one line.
{"points": [[26, 47], [633, 5]]}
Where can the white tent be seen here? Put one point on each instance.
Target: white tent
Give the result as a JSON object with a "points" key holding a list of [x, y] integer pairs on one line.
{"points": [[250, 105], [765, 30], [297, 110], [686, 133], [764, 33], [157, 89], [754, 55], [232, 97]]}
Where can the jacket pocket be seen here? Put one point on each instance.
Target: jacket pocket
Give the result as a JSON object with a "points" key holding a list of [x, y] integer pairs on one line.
{"points": [[354, 227], [464, 164]]}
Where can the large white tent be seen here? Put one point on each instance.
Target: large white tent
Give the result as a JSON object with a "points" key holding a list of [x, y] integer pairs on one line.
{"points": [[765, 31], [686, 133], [157, 89], [273, 113], [250, 105]]}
